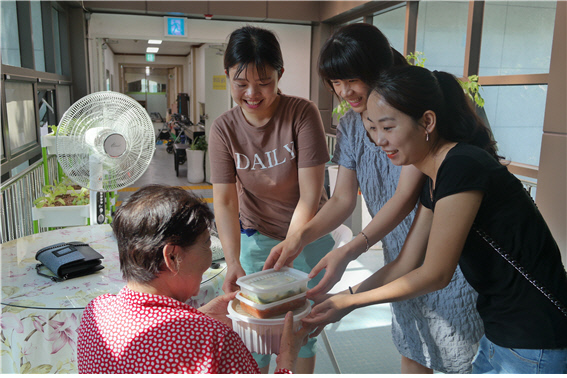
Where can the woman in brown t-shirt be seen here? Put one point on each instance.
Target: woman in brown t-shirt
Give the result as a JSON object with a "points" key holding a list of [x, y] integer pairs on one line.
{"points": [[267, 158]]}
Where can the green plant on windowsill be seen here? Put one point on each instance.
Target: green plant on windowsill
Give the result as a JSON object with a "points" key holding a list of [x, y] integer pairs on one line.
{"points": [[472, 89], [199, 143], [341, 109], [416, 59], [471, 86]]}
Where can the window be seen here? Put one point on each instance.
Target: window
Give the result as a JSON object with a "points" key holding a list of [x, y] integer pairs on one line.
{"points": [[10, 41], [516, 42], [56, 41], [47, 109], [510, 50], [35, 81], [37, 33], [442, 33], [393, 24], [517, 37], [516, 114], [20, 113]]}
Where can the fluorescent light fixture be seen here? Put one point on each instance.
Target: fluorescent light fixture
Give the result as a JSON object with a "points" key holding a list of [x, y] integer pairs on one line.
{"points": [[152, 50], [147, 70], [154, 42]]}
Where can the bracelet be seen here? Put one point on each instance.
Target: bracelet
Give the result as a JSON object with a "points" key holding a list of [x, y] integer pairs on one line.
{"points": [[350, 289], [367, 242]]}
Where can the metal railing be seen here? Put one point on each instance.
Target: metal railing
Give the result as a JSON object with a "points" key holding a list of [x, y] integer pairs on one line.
{"points": [[17, 196]]}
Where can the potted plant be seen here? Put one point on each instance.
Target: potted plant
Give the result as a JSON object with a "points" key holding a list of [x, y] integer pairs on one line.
{"points": [[63, 204], [196, 160]]}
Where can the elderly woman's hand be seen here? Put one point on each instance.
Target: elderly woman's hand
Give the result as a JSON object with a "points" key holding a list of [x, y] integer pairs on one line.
{"points": [[291, 342], [217, 308]]}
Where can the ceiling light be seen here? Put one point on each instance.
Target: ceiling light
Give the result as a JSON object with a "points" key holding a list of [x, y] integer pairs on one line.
{"points": [[154, 42], [152, 49], [147, 70]]}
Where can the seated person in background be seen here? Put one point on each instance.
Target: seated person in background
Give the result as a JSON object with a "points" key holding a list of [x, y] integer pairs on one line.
{"points": [[164, 246]]}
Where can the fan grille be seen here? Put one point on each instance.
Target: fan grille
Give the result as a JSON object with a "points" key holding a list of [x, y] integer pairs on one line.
{"points": [[109, 117]]}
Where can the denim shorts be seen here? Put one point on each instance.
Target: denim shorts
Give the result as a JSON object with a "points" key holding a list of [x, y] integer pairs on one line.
{"points": [[254, 251], [493, 359]]}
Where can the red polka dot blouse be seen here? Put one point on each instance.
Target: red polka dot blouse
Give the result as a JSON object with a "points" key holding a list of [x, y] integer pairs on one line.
{"points": [[134, 332]]}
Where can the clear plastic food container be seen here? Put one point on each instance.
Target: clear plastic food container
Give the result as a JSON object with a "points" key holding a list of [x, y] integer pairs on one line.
{"points": [[264, 311], [262, 335], [270, 286]]}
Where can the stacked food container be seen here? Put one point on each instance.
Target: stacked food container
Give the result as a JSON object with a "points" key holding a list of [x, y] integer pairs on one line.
{"points": [[259, 309]]}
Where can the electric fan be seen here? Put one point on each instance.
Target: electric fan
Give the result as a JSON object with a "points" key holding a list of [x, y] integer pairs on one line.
{"points": [[105, 142]]}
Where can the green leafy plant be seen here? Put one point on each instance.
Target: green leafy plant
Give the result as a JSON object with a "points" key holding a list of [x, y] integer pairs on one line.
{"points": [[54, 194], [341, 109], [471, 86], [472, 89], [416, 58], [82, 197], [199, 143]]}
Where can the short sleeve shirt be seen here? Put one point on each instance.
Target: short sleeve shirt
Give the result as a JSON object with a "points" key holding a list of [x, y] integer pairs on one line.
{"points": [[514, 312], [264, 161], [133, 333], [377, 176]]}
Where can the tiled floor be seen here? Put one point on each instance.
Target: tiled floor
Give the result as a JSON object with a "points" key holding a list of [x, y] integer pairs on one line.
{"points": [[360, 343]]}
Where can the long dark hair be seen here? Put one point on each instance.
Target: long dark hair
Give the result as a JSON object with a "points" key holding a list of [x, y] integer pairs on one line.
{"points": [[356, 51], [414, 90], [251, 44], [152, 217]]}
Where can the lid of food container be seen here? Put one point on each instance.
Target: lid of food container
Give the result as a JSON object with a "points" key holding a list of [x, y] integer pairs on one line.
{"points": [[269, 279], [263, 307], [235, 312]]}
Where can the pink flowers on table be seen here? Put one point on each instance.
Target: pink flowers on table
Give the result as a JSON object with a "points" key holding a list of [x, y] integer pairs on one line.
{"points": [[63, 333], [11, 321]]}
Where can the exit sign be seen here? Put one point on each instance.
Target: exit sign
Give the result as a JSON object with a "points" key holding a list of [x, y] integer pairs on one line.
{"points": [[150, 57], [174, 26]]}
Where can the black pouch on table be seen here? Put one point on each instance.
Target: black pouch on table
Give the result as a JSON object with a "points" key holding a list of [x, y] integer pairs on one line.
{"points": [[68, 260]]}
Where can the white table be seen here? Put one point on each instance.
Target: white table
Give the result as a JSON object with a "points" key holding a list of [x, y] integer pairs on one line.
{"points": [[40, 317]]}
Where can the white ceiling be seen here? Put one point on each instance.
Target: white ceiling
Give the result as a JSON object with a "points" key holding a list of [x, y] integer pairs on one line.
{"points": [[138, 47]]}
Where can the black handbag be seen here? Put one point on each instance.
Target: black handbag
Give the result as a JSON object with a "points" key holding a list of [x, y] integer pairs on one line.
{"points": [[68, 260]]}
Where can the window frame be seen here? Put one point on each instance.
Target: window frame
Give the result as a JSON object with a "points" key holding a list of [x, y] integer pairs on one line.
{"points": [[472, 53], [31, 152]]}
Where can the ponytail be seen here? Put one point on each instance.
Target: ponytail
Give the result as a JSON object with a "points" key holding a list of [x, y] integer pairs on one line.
{"points": [[462, 124], [413, 90]]}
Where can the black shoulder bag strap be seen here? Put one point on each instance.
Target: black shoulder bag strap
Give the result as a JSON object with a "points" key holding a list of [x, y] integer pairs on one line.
{"points": [[560, 306]]}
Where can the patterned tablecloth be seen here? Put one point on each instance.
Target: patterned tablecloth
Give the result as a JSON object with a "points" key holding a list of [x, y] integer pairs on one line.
{"points": [[40, 317]]}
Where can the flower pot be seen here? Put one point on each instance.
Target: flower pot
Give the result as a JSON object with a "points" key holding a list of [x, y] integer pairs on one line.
{"points": [[61, 216], [195, 165]]}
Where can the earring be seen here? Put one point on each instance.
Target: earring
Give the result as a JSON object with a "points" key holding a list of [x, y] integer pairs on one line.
{"points": [[426, 136]]}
